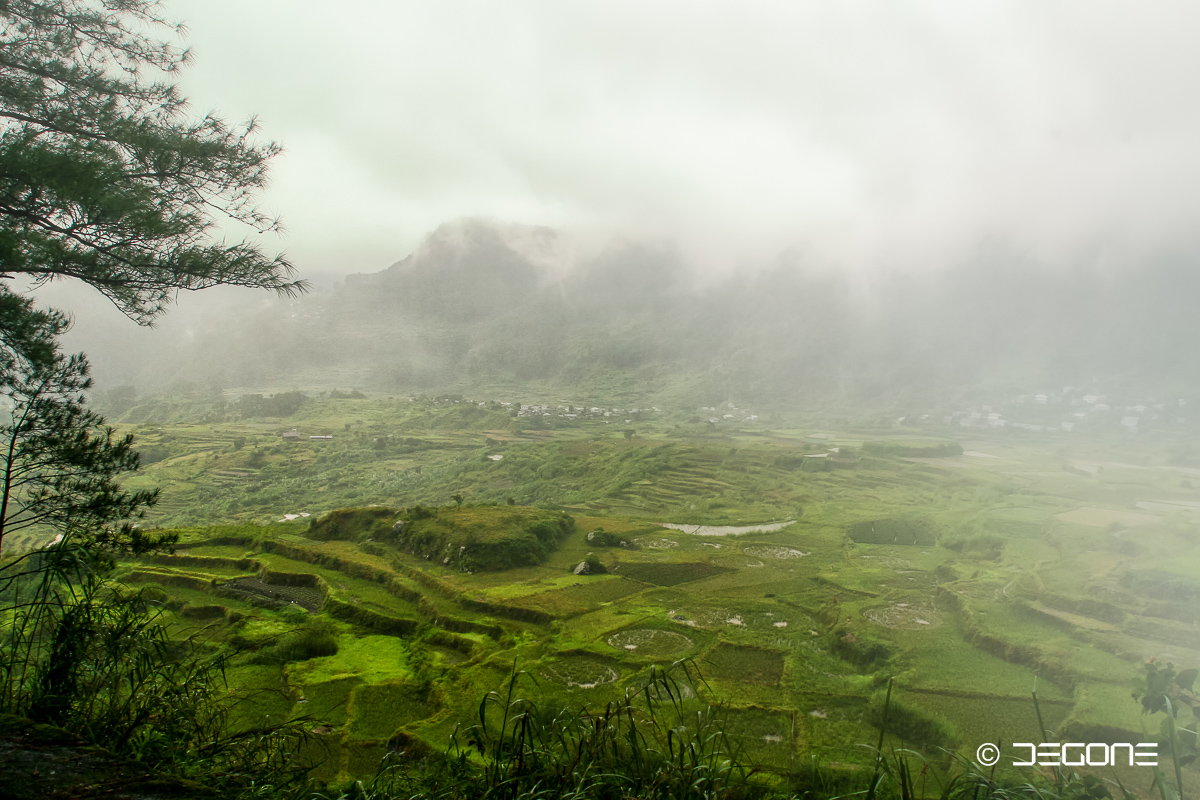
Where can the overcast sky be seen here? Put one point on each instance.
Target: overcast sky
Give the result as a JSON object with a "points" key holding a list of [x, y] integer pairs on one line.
{"points": [[876, 134]]}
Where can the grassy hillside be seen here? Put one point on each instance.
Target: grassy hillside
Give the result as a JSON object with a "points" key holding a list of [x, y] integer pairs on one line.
{"points": [[969, 572]]}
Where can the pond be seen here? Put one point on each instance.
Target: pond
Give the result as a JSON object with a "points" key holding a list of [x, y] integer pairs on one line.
{"points": [[727, 530]]}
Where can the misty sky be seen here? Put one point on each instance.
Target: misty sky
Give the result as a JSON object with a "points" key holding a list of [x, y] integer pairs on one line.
{"points": [[878, 134]]}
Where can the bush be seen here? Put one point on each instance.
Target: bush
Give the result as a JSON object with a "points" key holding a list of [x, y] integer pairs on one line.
{"points": [[283, 404], [372, 549], [88, 655], [603, 538], [859, 649], [314, 640], [986, 546], [593, 566], [419, 512], [294, 615], [484, 538]]}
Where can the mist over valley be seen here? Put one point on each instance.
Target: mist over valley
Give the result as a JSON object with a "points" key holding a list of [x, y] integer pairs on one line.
{"points": [[659, 401], [485, 307]]}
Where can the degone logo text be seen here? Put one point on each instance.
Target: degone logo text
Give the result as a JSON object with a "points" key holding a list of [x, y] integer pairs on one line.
{"points": [[1075, 754]]}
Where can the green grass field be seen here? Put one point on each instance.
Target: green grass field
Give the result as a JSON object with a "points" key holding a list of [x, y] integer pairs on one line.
{"points": [[966, 579]]}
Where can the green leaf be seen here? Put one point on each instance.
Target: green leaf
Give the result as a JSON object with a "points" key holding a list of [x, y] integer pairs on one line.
{"points": [[1186, 678]]}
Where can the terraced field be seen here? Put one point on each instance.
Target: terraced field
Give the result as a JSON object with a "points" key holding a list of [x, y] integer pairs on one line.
{"points": [[968, 579], [796, 645]]}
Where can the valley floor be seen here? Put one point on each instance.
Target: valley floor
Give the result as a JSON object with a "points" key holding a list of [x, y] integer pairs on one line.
{"points": [[970, 575]]}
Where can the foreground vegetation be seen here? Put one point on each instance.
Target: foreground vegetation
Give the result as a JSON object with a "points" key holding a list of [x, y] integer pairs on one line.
{"points": [[967, 579], [111, 673]]}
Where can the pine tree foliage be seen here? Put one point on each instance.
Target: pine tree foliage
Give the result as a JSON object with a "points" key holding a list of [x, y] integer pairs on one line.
{"points": [[104, 176], [60, 462]]}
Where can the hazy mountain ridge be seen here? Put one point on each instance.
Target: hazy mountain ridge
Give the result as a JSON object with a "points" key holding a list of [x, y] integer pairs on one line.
{"points": [[480, 304]]}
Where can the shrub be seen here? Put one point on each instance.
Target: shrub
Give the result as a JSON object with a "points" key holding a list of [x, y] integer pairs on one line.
{"points": [[859, 649], [655, 743], [591, 566], [314, 640], [294, 615], [603, 538], [485, 539], [419, 512], [86, 654], [986, 547], [372, 548]]}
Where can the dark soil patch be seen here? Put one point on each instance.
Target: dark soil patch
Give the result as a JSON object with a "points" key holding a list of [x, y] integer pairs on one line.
{"points": [[308, 597]]}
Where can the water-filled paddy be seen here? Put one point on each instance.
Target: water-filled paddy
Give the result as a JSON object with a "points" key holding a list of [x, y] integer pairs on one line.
{"points": [[727, 530], [579, 672]]}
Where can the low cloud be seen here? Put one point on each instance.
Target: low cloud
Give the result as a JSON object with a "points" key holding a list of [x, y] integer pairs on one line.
{"points": [[868, 136]]}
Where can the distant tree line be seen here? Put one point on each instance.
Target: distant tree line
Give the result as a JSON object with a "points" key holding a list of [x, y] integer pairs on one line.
{"points": [[283, 404]]}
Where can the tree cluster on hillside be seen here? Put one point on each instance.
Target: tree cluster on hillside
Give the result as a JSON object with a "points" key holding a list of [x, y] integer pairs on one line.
{"points": [[283, 404]]}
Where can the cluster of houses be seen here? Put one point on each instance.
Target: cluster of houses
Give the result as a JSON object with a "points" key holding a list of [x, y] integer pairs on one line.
{"points": [[1066, 410], [583, 412], [728, 412], [563, 410]]}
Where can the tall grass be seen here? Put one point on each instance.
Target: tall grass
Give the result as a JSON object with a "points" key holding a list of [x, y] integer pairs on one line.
{"points": [[659, 742], [909, 775], [84, 653]]}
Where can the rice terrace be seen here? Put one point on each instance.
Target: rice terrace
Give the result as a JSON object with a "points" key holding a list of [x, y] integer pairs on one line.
{"points": [[599, 401], [379, 590]]}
